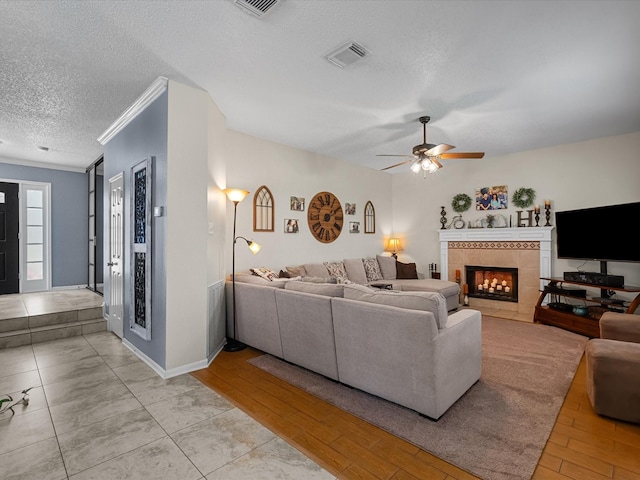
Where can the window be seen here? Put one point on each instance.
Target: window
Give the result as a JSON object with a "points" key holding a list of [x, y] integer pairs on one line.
{"points": [[369, 218], [35, 241], [263, 210]]}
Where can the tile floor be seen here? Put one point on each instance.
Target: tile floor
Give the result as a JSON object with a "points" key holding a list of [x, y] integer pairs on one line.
{"points": [[98, 412]]}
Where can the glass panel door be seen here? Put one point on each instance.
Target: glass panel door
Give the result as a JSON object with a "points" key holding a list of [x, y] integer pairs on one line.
{"points": [[95, 175]]}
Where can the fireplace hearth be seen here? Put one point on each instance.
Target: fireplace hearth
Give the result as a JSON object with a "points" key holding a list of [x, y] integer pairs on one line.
{"points": [[493, 283]]}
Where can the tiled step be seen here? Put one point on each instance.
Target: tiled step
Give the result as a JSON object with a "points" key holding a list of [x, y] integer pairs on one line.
{"points": [[17, 332]]}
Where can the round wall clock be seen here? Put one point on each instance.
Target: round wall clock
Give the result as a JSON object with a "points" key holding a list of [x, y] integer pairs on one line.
{"points": [[325, 217]]}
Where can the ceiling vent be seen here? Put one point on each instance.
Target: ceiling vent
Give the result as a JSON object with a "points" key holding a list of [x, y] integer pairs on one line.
{"points": [[347, 54], [257, 7]]}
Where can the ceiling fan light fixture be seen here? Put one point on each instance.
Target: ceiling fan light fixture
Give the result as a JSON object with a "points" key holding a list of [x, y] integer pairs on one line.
{"points": [[416, 166]]}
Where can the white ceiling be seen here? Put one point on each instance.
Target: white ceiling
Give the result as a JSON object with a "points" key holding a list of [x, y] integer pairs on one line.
{"points": [[498, 76]]}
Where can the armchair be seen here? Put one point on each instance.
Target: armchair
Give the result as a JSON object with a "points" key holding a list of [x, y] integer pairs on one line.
{"points": [[613, 367]]}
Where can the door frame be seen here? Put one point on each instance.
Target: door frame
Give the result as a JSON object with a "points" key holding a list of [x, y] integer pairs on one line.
{"points": [[22, 187]]}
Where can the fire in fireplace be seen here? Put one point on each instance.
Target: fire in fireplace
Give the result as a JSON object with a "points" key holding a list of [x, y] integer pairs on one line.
{"points": [[494, 283]]}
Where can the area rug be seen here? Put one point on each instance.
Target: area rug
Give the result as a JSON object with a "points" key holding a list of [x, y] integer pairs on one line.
{"points": [[498, 429]]}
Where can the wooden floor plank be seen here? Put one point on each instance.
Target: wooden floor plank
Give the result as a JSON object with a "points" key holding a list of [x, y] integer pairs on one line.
{"points": [[582, 445]]}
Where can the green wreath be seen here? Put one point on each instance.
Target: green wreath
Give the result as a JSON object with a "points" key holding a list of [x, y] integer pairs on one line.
{"points": [[523, 197], [461, 203]]}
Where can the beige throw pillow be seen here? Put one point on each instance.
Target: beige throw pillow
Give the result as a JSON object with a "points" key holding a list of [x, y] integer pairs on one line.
{"points": [[355, 270], [387, 267], [372, 269]]}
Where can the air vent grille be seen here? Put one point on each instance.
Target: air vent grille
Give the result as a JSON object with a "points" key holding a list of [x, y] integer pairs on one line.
{"points": [[257, 7], [347, 54]]}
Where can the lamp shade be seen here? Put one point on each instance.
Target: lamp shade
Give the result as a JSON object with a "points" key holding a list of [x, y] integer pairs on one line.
{"points": [[393, 245], [254, 247], [235, 194]]}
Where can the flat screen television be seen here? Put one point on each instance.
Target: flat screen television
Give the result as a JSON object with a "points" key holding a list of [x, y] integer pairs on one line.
{"points": [[599, 233]]}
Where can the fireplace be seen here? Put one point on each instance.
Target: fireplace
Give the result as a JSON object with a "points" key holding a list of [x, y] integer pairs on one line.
{"points": [[493, 283]]}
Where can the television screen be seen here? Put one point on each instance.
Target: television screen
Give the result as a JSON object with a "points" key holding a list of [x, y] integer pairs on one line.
{"points": [[599, 233]]}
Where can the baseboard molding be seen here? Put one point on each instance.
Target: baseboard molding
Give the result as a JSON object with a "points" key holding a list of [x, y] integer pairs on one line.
{"points": [[173, 372], [69, 287]]}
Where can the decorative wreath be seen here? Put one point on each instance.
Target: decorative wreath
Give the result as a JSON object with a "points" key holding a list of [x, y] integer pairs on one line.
{"points": [[523, 197], [461, 203]]}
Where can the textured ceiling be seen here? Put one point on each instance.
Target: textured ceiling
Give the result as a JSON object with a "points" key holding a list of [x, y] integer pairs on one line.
{"points": [[497, 77]]}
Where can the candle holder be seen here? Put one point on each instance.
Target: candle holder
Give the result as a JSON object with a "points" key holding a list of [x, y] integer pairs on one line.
{"points": [[537, 216], [443, 219], [547, 214]]}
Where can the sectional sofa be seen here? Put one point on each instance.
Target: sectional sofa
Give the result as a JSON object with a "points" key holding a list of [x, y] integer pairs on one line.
{"points": [[403, 346]]}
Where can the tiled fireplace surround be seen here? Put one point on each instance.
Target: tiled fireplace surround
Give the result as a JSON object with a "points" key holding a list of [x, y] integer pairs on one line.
{"points": [[526, 248]]}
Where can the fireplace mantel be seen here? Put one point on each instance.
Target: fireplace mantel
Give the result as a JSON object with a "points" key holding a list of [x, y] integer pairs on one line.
{"points": [[523, 234]]}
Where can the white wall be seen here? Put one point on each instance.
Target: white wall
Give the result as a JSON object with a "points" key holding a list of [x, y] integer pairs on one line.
{"points": [[599, 172], [287, 172], [186, 226]]}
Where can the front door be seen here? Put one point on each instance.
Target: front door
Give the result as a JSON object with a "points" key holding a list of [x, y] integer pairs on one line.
{"points": [[116, 257], [9, 242]]}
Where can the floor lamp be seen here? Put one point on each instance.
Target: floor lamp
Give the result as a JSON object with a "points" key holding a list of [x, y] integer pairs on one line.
{"points": [[236, 196]]}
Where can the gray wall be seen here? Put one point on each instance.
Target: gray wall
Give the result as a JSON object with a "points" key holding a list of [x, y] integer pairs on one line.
{"points": [[69, 220], [145, 136]]}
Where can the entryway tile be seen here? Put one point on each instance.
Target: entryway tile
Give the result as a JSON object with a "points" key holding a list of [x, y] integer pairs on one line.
{"points": [[41, 461]]}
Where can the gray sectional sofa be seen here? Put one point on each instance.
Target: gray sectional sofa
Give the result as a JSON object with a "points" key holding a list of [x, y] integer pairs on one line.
{"points": [[403, 346]]}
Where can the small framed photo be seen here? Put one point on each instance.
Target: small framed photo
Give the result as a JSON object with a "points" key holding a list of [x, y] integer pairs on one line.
{"points": [[297, 204], [290, 225], [492, 198], [350, 208], [354, 227]]}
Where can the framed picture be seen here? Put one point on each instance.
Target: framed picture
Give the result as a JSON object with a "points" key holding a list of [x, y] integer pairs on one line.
{"points": [[350, 208], [492, 198], [297, 204], [290, 225], [354, 227]]}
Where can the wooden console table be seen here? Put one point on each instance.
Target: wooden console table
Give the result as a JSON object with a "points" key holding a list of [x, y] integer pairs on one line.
{"points": [[583, 324]]}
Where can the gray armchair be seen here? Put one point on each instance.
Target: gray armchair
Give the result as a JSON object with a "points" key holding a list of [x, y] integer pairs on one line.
{"points": [[613, 367]]}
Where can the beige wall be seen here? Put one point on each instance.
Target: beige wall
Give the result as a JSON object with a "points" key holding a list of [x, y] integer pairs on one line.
{"points": [[598, 172]]}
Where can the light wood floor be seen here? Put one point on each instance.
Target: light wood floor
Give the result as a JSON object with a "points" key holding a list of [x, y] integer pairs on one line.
{"points": [[582, 446]]}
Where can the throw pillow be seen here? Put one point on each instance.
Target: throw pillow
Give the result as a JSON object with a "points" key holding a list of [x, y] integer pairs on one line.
{"points": [[284, 274], [387, 267], [406, 271], [315, 270], [297, 271], [355, 270], [264, 272], [337, 270], [372, 269]]}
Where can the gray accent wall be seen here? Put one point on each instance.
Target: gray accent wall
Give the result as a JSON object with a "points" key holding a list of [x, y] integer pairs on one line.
{"points": [[144, 136], [69, 219]]}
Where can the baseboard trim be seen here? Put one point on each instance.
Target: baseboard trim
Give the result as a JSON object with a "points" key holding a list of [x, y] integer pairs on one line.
{"points": [[166, 374]]}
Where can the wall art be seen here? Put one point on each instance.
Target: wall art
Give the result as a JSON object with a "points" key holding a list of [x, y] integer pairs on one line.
{"points": [[297, 203], [492, 198], [290, 225]]}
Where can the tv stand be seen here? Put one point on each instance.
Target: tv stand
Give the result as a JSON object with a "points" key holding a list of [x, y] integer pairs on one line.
{"points": [[588, 324]]}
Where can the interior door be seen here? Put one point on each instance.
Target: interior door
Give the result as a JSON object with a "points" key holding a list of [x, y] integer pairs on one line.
{"points": [[116, 257], [9, 242]]}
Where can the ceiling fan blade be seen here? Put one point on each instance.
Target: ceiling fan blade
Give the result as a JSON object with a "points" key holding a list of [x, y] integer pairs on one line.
{"points": [[438, 149], [451, 156], [435, 160], [398, 164], [383, 155]]}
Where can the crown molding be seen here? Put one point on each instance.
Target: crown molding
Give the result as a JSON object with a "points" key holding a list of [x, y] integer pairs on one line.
{"points": [[156, 89]]}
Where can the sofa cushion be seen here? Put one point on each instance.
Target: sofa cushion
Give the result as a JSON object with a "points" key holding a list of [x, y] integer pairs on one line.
{"points": [[264, 272], [325, 289], [372, 269], [298, 271], [318, 279], [387, 267], [256, 280], [406, 271], [315, 270], [355, 270], [424, 301], [337, 270]]}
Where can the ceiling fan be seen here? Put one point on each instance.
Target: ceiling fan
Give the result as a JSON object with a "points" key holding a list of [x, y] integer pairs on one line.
{"points": [[427, 156]]}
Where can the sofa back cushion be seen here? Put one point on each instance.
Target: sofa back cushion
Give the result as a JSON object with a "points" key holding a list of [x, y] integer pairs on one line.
{"points": [[315, 270], [372, 269], [325, 289], [298, 271], [387, 267], [425, 301], [256, 280], [355, 270]]}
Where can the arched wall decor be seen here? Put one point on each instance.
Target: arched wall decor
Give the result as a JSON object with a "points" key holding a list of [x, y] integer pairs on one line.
{"points": [[263, 210], [369, 218]]}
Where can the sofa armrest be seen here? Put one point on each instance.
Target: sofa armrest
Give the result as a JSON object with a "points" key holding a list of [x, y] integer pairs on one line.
{"points": [[620, 326]]}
